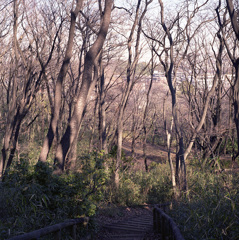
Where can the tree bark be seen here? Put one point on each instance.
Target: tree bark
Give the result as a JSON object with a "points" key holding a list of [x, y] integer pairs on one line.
{"points": [[13, 93], [102, 114], [74, 124], [235, 24], [58, 87], [146, 111]]}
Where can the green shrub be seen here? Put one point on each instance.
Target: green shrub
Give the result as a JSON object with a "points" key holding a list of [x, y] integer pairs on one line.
{"points": [[32, 197], [211, 208], [140, 187]]}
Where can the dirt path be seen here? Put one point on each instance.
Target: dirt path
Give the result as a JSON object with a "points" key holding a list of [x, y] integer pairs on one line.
{"points": [[154, 153]]}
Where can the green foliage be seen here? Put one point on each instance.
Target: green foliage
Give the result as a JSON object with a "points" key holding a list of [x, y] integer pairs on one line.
{"points": [[229, 146], [32, 197], [211, 208], [141, 187], [156, 140]]}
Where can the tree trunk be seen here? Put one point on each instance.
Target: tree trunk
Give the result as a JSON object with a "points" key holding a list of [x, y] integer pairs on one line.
{"points": [[92, 133], [102, 114], [235, 25], [58, 88], [146, 111], [74, 125], [236, 102]]}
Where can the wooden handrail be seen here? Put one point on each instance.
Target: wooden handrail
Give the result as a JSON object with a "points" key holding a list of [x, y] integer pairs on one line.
{"points": [[53, 229], [165, 225]]}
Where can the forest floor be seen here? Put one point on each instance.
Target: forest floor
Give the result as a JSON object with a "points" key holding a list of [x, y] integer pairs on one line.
{"points": [[155, 153], [159, 154]]}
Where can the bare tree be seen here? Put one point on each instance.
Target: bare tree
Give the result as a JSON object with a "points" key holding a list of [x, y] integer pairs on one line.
{"points": [[58, 87], [233, 12], [24, 81], [131, 67], [146, 109], [72, 130], [173, 44]]}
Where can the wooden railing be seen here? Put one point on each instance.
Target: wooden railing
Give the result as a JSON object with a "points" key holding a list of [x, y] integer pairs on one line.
{"points": [[165, 225], [56, 229]]}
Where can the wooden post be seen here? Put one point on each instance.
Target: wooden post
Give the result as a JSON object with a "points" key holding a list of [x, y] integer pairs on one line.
{"points": [[162, 226], [155, 220], [58, 235], [73, 232], [167, 227]]}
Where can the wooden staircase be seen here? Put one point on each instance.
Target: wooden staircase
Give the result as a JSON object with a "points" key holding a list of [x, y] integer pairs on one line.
{"points": [[135, 228]]}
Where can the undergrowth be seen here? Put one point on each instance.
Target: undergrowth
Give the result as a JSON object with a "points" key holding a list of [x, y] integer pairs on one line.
{"points": [[210, 210], [33, 197]]}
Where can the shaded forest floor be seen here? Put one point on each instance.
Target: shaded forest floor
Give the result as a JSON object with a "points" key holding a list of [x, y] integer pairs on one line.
{"points": [[159, 154], [113, 214], [155, 153]]}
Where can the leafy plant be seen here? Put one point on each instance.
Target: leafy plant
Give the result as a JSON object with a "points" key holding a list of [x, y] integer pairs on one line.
{"points": [[32, 197]]}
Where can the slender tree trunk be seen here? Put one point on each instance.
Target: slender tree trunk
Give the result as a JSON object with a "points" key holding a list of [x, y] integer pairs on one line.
{"points": [[92, 133], [133, 133], [131, 67], [236, 102], [12, 95], [90, 60], [119, 148], [145, 113], [168, 132], [19, 117], [235, 25], [58, 88], [102, 114]]}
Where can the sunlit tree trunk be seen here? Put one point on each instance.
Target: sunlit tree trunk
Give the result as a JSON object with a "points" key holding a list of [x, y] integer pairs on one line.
{"points": [[73, 127], [58, 87]]}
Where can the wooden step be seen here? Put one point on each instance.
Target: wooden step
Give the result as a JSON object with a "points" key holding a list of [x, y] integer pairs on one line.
{"points": [[126, 229], [137, 225], [135, 228], [130, 236], [131, 225]]}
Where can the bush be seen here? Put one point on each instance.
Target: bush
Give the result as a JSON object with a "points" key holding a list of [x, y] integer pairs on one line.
{"points": [[32, 197], [212, 207], [140, 187]]}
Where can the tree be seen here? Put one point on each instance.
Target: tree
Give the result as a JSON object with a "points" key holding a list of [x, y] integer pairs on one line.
{"points": [[146, 109], [233, 12], [173, 42], [58, 87], [130, 79], [73, 127], [25, 79]]}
